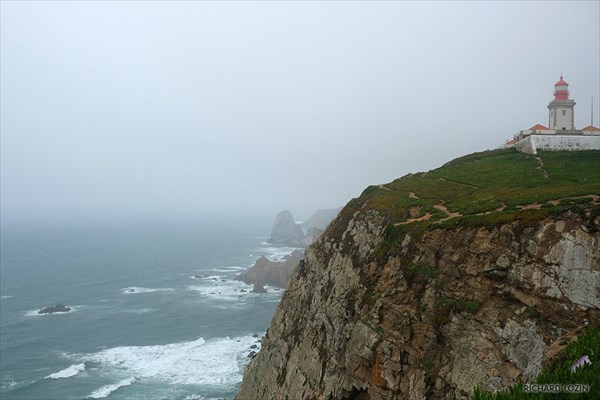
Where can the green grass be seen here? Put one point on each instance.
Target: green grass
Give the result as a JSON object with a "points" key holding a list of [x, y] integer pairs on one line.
{"points": [[490, 187], [445, 307], [484, 182], [417, 271], [560, 373]]}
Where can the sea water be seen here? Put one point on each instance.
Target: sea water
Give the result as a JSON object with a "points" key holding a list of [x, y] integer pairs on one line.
{"points": [[155, 313]]}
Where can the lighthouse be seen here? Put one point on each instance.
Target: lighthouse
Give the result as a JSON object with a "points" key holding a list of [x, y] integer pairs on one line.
{"points": [[561, 134], [561, 108]]}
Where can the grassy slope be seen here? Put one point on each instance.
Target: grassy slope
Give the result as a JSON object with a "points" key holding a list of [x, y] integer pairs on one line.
{"points": [[484, 182], [489, 187], [559, 373]]}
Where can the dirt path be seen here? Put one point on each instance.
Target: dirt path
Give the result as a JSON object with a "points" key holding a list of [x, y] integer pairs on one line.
{"points": [[541, 166], [449, 214], [501, 208], [595, 198], [411, 220]]}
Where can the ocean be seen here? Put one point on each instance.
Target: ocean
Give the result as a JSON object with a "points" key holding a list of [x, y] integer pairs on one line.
{"points": [[155, 314]]}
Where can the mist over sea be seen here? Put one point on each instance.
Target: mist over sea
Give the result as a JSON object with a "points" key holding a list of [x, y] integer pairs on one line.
{"points": [[155, 315]]}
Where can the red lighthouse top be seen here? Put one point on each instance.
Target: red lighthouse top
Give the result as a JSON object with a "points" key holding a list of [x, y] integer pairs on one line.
{"points": [[561, 90]]}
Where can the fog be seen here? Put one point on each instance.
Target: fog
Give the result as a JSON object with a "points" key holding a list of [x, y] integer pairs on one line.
{"points": [[175, 110]]}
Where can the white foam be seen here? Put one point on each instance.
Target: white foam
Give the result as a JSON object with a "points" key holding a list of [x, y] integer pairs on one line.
{"points": [[199, 362], [141, 310], [6, 297], [137, 289], [9, 383], [226, 291], [104, 391], [228, 269], [194, 397], [275, 253], [68, 372], [213, 277]]}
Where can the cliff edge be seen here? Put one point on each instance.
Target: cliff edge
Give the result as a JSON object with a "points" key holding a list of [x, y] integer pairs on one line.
{"points": [[438, 282]]}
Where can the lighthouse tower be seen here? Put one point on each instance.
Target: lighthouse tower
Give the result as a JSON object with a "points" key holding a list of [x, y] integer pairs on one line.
{"points": [[561, 108]]}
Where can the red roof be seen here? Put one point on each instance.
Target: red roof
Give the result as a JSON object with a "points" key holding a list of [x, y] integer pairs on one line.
{"points": [[561, 82], [538, 127], [591, 128]]}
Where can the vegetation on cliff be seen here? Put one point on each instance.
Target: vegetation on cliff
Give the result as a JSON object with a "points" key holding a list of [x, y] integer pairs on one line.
{"points": [[559, 373], [485, 188]]}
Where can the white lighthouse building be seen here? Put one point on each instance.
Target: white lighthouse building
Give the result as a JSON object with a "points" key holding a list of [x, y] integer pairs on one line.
{"points": [[561, 108], [560, 133]]}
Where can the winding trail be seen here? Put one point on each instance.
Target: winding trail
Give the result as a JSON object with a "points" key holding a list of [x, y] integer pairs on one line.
{"points": [[541, 166], [449, 214], [411, 220], [533, 206]]}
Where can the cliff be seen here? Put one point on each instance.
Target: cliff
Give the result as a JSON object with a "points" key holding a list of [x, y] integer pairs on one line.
{"points": [[287, 232], [274, 273], [424, 288]]}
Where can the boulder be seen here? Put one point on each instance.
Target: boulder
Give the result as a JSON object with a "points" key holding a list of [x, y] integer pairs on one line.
{"points": [[59, 308]]}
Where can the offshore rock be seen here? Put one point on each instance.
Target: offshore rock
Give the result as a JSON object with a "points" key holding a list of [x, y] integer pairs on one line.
{"points": [[274, 273], [286, 231], [59, 308], [449, 309], [259, 288]]}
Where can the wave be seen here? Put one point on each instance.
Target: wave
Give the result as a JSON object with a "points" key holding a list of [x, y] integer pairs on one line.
{"points": [[68, 372], [104, 391], [6, 297], [141, 310], [276, 253], [200, 362], [137, 289], [213, 277], [9, 383], [224, 291], [228, 269]]}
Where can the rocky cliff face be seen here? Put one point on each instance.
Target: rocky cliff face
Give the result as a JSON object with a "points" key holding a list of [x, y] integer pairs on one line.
{"points": [[428, 314]]}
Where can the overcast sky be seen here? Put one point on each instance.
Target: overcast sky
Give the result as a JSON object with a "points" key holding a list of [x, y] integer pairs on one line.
{"points": [[133, 110]]}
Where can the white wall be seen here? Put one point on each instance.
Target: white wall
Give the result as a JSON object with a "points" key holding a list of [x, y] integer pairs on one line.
{"points": [[558, 143]]}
